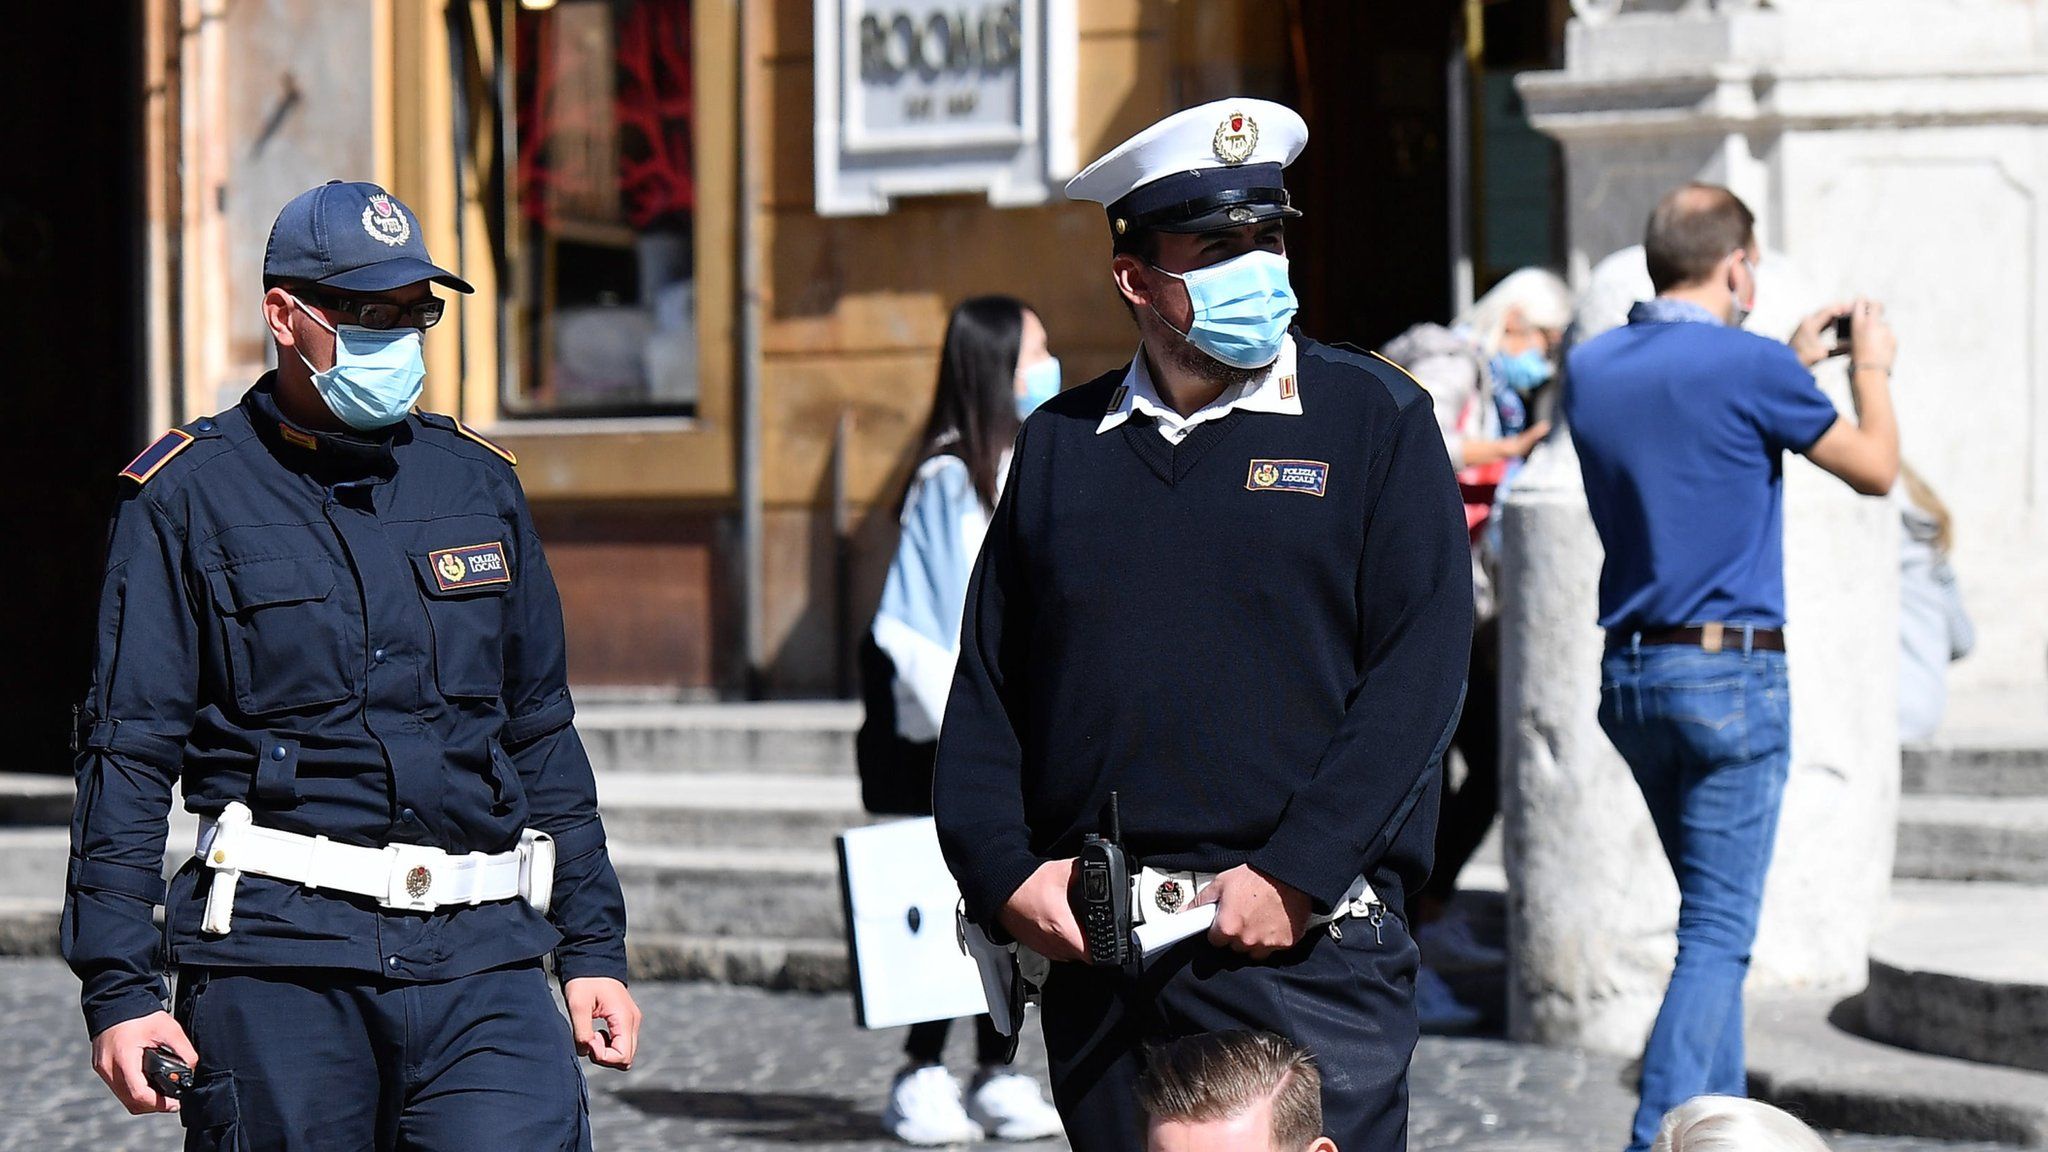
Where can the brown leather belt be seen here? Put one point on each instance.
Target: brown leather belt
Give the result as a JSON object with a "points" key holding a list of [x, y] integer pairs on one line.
{"points": [[1707, 638]]}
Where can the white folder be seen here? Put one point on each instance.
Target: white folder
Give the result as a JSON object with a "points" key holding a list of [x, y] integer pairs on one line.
{"points": [[908, 966]]}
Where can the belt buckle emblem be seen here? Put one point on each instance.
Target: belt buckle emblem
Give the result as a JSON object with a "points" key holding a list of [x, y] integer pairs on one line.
{"points": [[1170, 895], [418, 881]]}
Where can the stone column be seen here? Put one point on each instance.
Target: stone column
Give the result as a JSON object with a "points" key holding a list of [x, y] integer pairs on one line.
{"points": [[1865, 133], [1593, 907]]}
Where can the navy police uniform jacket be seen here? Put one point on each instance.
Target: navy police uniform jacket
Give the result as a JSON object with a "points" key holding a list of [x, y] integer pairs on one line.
{"points": [[358, 637], [1257, 638]]}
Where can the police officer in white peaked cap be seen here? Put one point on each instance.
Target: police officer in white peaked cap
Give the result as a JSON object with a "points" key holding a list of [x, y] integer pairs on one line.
{"points": [[1228, 584]]}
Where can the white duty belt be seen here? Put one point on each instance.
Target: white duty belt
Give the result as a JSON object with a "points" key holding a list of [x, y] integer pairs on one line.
{"points": [[1162, 909], [405, 877]]}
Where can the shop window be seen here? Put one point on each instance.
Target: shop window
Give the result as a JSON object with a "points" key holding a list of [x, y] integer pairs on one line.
{"points": [[604, 288]]}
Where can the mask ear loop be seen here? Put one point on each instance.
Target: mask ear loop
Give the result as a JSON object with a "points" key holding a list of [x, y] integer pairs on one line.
{"points": [[315, 318], [1186, 338]]}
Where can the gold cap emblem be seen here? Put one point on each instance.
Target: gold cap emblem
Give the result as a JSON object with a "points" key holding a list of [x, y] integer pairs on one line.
{"points": [[418, 881], [1237, 137]]}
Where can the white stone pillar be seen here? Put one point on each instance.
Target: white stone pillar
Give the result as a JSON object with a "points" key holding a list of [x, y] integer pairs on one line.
{"points": [[1868, 135], [1593, 907]]}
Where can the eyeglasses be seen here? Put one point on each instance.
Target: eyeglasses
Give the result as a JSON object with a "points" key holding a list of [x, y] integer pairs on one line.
{"points": [[379, 314]]}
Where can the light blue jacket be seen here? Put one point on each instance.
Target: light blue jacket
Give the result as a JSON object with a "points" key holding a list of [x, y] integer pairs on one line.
{"points": [[918, 622]]}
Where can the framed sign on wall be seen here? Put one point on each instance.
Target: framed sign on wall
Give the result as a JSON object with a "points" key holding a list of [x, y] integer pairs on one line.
{"points": [[921, 97]]}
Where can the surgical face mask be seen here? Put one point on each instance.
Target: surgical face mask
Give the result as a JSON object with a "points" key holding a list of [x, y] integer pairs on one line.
{"points": [[1041, 383], [1523, 372], [377, 373], [1241, 308], [1743, 308]]}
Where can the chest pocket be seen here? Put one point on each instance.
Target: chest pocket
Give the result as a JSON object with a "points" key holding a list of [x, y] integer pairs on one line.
{"points": [[469, 625], [287, 634]]}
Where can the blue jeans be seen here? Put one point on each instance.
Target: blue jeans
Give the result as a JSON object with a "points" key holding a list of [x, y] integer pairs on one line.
{"points": [[1707, 736]]}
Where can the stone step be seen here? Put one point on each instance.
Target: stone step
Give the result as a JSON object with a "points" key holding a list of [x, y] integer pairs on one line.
{"points": [[1992, 764], [1973, 838], [731, 892], [32, 862], [797, 965], [779, 737], [690, 810], [1962, 970], [28, 798], [1807, 1055]]}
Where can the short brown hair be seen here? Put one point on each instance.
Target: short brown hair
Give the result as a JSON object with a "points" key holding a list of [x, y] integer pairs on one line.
{"points": [[1692, 229], [1218, 1075]]}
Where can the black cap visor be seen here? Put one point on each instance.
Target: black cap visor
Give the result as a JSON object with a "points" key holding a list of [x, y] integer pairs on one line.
{"points": [[1234, 216], [386, 275]]}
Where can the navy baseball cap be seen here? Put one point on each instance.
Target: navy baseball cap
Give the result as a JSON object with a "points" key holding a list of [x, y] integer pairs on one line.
{"points": [[353, 236]]}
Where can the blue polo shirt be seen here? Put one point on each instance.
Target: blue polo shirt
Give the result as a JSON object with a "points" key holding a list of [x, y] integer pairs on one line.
{"points": [[1681, 424]]}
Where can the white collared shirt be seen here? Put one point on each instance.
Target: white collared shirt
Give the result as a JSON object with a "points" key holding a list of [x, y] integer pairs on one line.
{"points": [[1273, 390]]}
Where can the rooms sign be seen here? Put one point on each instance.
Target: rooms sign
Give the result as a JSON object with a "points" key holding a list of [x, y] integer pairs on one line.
{"points": [[918, 97]]}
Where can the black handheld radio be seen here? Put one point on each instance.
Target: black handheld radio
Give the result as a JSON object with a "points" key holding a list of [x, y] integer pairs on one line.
{"points": [[1102, 894]]}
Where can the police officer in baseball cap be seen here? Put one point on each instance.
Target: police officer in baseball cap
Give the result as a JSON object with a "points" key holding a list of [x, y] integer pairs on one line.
{"points": [[1229, 586], [328, 620]]}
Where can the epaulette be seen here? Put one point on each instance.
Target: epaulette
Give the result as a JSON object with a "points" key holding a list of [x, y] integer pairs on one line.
{"points": [[164, 450], [465, 431]]}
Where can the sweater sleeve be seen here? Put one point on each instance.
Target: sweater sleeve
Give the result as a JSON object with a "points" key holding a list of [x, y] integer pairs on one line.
{"points": [[1415, 636], [977, 782]]}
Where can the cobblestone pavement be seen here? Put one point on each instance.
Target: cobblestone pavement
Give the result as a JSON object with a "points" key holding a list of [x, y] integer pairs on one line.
{"points": [[729, 1069]]}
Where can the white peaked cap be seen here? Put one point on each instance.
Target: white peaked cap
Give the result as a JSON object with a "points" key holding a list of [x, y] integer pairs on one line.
{"points": [[1212, 166]]}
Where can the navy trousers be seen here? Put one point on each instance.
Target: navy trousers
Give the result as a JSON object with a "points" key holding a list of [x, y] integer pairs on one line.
{"points": [[300, 1060], [1349, 1001]]}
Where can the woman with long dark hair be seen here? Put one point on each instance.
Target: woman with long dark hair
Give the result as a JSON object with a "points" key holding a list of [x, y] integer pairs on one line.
{"points": [[993, 370]]}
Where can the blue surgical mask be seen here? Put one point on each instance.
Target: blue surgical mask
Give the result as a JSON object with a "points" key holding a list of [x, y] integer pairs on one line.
{"points": [[1242, 308], [1041, 383], [1523, 372], [377, 373]]}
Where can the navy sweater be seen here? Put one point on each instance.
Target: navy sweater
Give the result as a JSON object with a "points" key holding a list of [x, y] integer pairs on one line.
{"points": [[1264, 674]]}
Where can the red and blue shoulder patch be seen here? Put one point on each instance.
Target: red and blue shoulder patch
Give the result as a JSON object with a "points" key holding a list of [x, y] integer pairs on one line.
{"points": [[154, 457]]}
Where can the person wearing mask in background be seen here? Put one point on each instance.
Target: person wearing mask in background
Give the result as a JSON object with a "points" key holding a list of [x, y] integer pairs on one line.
{"points": [[993, 370], [328, 619], [1682, 421], [1483, 375], [1934, 629]]}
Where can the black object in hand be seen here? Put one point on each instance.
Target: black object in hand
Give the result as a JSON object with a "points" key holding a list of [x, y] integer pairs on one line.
{"points": [[165, 1072], [1842, 330], [1102, 895]]}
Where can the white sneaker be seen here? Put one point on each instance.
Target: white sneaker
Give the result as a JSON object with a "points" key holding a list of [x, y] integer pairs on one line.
{"points": [[1437, 1008], [1450, 945], [924, 1108], [1010, 1107]]}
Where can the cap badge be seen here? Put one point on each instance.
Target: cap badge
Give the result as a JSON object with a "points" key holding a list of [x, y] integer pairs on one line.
{"points": [[1240, 215], [386, 221], [1236, 138]]}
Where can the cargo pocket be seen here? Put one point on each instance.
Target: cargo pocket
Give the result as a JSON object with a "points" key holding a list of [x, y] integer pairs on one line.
{"points": [[287, 634], [468, 620], [212, 1114]]}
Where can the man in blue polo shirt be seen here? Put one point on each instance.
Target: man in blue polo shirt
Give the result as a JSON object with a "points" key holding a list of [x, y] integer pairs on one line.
{"points": [[1682, 421]]}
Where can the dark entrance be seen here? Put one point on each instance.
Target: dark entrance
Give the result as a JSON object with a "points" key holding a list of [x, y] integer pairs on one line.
{"points": [[1372, 254], [1419, 155], [71, 340]]}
